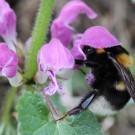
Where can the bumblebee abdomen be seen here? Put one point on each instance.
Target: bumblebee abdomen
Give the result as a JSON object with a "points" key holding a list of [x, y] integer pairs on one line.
{"points": [[117, 99], [101, 106], [109, 104]]}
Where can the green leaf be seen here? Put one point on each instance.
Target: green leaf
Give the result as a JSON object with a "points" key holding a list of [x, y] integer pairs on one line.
{"points": [[82, 124], [32, 113], [33, 119], [86, 124]]}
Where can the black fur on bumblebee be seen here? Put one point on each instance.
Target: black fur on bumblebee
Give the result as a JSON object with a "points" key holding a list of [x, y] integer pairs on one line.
{"points": [[113, 84]]}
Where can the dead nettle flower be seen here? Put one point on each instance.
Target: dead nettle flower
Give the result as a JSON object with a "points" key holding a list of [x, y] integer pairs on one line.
{"points": [[61, 28], [8, 61], [97, 37], [7, 24], [52, 58]]}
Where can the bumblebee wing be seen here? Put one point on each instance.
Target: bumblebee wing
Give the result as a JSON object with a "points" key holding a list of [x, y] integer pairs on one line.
{"points": [[126, 76]]}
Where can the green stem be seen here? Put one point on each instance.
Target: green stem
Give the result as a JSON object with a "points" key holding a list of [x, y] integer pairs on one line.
{"points": [[38, 36], [7, 105]]}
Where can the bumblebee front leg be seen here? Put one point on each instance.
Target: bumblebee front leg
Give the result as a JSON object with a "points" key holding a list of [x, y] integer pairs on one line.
{"points": [[87, 63], [82, 106]]}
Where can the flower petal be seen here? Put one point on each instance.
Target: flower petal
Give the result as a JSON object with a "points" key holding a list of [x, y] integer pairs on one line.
{"points": [[7, 23], [60, 90], [8, 61], [98, 37], [76, 50], [90, 78], [41, 77], [60, 31], [9, 71], [60, 27], [50, 90], [72, 9], [54, 56], [53, 86], [16, 80]]}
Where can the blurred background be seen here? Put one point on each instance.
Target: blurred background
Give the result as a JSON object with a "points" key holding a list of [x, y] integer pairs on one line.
{"points": [[118, 16]]}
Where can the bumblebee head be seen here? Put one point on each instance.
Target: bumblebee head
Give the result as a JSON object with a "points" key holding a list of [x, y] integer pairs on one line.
{"points": [[94, 55], [88, 50]]}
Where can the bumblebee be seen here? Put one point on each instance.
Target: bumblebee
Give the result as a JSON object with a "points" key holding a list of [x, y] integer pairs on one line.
{"points": [[113, 85]]}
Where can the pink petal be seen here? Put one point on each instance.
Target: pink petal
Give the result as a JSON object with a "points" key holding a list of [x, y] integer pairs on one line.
{"points": [[60, 27], [8, 61], [60, 90], [9, 72], [60, 31], [50, 90], [98, 37], [76, 50], [90, 78], [7, 22], [53, 86], [54, 56], [72, 9]]}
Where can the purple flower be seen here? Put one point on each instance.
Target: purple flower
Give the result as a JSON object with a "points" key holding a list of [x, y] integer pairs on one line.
{"points": [[8, 61], [96, 37], [60, 27], [90, 78], [7, 24], [52, 58]]}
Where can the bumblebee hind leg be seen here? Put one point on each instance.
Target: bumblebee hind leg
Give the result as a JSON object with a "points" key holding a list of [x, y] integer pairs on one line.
{"points": [[82, 106]]}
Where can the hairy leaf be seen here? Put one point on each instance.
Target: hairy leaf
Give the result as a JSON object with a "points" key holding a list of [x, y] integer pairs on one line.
{"points": [[33, 118]]}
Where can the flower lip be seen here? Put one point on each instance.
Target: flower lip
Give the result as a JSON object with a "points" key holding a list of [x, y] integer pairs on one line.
{"points": [[98, 37]]}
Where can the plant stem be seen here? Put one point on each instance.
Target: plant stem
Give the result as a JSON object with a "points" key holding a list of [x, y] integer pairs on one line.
{"points": [[51, 107], [38, 36], [7, 105]]}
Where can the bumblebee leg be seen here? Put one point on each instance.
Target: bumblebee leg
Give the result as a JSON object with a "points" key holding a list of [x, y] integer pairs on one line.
{"points": [[84, 104], [79, 62], [87, 63]]}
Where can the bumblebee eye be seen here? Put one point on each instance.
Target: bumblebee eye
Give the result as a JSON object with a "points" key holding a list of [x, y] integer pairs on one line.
{"points": [[88, 50]]}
